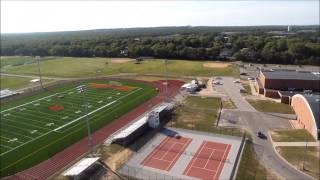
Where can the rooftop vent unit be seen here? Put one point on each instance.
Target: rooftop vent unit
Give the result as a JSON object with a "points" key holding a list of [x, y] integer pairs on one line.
{"points": [[308, 91], [304, 71]]}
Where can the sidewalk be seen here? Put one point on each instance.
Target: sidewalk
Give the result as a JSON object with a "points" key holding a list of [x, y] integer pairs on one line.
{"points": [[317, 143]]}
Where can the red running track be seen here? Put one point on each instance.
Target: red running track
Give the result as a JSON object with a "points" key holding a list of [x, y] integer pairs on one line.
{"points": [[209, 160], [167, 153], [49, 167]]}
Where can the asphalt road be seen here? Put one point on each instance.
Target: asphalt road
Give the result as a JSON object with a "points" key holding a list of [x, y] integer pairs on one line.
{"points": [[256, 121]]}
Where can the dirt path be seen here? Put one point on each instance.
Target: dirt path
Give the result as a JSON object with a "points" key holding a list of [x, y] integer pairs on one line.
{"points": [[216, 65]]}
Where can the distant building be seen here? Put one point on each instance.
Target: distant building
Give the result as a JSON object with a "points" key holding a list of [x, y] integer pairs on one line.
{"points": [[277, 82], [281, 33], [307, 109], [124, 52]]}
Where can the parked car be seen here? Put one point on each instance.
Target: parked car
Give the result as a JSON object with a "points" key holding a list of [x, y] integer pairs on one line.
{"points": [[236, 81], [261, 135], [177, 136], [217, 83], [250, 78]]}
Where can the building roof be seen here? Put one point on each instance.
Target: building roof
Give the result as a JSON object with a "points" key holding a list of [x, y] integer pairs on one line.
{"points": [[292, 93], [290, 74], [80, 166], [130, 129], [140, 122], [6, 93], [314, 103]]}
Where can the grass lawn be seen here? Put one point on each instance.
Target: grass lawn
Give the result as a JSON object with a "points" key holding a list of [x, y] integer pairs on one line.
{"points": [[198, 113], [79, 67], [156, 78], [12, 82], [250, 167], [228, 104], [295, 135], [19, 60], [271, 106], [35, 128], [307, 160], [246, 86]]}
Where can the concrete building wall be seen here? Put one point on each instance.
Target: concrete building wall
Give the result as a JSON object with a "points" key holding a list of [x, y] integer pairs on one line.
{"points": [[260, 83], [271, 93], [292, 83], [304, 114], [285, 99], [262, 79]]}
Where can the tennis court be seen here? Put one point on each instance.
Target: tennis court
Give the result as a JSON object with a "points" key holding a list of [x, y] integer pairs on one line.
{"points": [[185, 154], [167, 153], [208, 161]]}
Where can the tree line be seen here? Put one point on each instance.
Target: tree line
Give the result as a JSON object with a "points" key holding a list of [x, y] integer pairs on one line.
{"points": [[249, 44]]}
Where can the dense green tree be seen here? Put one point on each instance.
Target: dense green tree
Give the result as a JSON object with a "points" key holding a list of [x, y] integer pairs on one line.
{"points": [[253, 44]]}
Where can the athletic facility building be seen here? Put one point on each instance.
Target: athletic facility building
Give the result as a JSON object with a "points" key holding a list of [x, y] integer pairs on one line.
{"points": [[307, 110], [284, 83], [151, 119]]}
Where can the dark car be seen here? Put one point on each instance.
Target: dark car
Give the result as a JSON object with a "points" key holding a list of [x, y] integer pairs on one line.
{"points": [[177, 136], [261, 135]]}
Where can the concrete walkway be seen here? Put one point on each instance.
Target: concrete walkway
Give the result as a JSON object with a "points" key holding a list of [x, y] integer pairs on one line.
{"points": [[315, 144]]}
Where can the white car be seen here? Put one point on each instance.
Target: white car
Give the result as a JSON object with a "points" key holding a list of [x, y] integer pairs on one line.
{"points": [[217, 82], [236, 81], [250, 78]]}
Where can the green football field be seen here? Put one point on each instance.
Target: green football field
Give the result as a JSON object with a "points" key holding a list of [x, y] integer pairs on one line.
{"points": [[35, 128]]}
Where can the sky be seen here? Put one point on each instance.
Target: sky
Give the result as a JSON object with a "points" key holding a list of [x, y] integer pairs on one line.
{"points": [[47, 16]]}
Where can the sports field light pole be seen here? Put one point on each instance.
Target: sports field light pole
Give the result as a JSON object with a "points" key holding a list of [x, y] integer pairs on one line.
{"points": [[85, 104], [39, 71], [166, 73]]}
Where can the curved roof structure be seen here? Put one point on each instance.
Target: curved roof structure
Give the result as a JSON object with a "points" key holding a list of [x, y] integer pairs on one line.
{"points": [[314, 103]]}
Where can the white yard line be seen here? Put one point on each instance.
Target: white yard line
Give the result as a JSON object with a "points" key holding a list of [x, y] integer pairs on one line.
{"points": [[3, 137], [65, 125], [6, 139], [17, 134], [8, 147], [57, 129], [32, 120], [36, 100], [24, 130]]}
